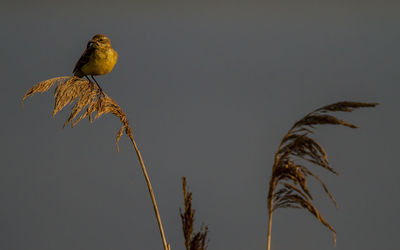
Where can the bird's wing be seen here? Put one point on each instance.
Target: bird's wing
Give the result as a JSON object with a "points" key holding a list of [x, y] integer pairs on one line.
{"points": [[85, 57]]}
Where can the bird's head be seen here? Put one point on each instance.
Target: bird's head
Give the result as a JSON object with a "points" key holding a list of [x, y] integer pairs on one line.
{"points": [[99, 41]]}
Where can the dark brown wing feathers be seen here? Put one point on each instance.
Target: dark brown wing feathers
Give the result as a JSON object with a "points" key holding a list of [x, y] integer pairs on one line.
{"points": [[82, 61]]}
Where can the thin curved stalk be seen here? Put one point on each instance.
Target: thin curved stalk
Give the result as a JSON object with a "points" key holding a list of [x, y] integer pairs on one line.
{"points": [[153, 199], [269, 230]]}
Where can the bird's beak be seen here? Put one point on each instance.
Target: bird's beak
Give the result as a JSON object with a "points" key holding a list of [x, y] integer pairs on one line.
{"points": [[90, 43]]}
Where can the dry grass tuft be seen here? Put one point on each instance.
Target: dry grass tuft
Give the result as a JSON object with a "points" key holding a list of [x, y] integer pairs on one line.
{"points": [[88, 99], [193, 241], [288, 185]]}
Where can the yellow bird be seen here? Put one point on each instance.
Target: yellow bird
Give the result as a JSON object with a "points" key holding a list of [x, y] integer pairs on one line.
{"points": [[99, 58]]}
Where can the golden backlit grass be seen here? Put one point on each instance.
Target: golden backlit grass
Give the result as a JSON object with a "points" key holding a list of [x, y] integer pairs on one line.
{"points": [[288, 184], [88, 98], [91, 101]]}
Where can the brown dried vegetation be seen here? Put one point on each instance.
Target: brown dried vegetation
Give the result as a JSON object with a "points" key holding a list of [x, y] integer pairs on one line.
{"points": [[193, 241], [89, 98], [288, 184]]}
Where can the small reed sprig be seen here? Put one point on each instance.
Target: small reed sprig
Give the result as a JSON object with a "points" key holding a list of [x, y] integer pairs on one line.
{"points": [[193, 241]]}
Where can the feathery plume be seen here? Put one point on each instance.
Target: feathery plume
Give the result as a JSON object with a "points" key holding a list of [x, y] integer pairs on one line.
{"points": [[288, 184], [193, 241], [89, 98]]}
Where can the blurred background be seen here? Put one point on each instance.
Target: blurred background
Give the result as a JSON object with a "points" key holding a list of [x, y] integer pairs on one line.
{"points": [[210, 88]]}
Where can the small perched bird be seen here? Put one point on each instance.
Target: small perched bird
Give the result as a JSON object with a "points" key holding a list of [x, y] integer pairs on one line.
{"points": [[99, 58]]}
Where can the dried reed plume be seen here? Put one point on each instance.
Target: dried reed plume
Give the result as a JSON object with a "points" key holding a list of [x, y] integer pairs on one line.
{"points": [[291, 176], [193, 241], [89, 99]]}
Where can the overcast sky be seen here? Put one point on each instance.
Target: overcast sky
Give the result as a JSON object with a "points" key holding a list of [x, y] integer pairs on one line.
{"points": [[210, 88]]}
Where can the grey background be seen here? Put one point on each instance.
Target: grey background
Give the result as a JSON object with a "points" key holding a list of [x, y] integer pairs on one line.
{"points": [[210, 88]]}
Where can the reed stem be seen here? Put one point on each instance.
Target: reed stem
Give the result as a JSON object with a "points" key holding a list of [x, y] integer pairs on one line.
{"points": [[153, 199], [269, 231]]}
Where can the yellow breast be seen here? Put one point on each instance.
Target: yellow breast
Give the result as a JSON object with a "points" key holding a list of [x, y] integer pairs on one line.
{"points": [[101, 62]]}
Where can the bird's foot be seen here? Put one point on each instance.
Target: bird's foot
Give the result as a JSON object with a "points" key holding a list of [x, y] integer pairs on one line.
{"points": [[101, 90]]}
